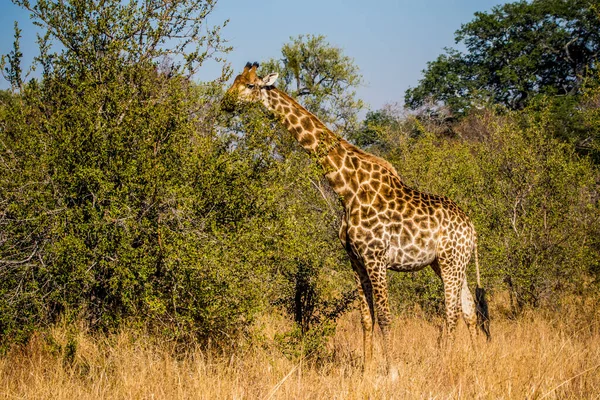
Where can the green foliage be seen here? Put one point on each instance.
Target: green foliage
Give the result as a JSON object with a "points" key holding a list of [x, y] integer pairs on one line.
{"points": [[532, 200], [309, 278], [97, 197], [322, 78], [588, 111], [126, 197], [547, 212], [13, 70], [374, 128], [95, 35], [422, 288], [311, 344], [514, 52]]}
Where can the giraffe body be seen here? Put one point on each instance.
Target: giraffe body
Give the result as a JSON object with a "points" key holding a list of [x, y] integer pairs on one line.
{"points": [[386, 224]]}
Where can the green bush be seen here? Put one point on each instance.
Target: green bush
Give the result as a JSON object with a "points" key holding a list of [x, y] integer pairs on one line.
{"points": [[531, 197], [127, 197]]}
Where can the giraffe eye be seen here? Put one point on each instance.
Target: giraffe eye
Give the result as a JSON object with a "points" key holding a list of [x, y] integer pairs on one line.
{"points": [[250, 86]]}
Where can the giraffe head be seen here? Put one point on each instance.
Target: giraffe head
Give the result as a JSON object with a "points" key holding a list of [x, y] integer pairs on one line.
{"points": [[247, 87]]}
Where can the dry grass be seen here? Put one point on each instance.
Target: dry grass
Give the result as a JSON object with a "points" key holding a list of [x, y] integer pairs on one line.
{"points": [[538, 356]]}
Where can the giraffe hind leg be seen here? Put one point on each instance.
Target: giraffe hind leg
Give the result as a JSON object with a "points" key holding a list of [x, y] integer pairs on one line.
{"points": [[452, 273], [468, 309]]}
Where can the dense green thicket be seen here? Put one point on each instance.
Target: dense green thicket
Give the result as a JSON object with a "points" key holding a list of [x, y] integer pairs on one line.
{"points": [[126, 196], [528, 178], [533, 199]]}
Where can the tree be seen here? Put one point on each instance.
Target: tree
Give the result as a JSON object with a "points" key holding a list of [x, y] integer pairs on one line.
{"points": [[589, 112], [513, 53], [125, 196], [374, 127], [13, 70], [99, 158], [322, 78], [92, 33]]}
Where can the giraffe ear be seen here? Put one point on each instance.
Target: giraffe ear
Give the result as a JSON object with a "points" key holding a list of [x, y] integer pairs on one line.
{"points": [[270, 79]]}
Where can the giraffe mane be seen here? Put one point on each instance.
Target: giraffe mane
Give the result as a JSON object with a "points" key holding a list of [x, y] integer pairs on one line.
{"points": [[373, 158], [296, 104], [365, 155]]}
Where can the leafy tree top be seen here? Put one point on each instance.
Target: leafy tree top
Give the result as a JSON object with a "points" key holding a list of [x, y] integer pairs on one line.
{"points": [[92, 36], [512, 53], [322, 78]]}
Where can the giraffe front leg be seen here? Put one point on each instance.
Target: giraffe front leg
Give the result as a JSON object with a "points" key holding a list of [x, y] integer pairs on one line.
{"points": [[377, 272], [365, 294]]}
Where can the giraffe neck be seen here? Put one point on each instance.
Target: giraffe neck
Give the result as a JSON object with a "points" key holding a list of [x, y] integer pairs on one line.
{"points": [[311, 133], [340, 160]]}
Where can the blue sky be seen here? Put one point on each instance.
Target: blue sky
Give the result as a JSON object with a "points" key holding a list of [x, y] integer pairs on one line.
{"points": [[390, 41]]}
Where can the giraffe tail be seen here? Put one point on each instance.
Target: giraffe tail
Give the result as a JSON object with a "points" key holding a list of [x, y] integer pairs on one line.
{"points": [[481, 305]]}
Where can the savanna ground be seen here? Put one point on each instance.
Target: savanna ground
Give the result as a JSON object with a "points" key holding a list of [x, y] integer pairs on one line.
{"points": [[554, 355]]}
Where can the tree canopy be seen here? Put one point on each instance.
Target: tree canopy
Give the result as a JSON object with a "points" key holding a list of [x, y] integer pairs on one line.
{"points": [[513, 53], [322, 78]]}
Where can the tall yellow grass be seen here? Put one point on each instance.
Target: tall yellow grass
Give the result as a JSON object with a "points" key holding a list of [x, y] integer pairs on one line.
{"points": [[541, 355]]}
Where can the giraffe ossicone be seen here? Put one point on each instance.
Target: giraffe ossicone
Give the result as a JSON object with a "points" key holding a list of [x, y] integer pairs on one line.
{"points": [[386, 224]]}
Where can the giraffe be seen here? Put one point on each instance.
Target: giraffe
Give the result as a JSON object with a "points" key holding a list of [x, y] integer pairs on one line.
{"points": [[386, 224]]}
